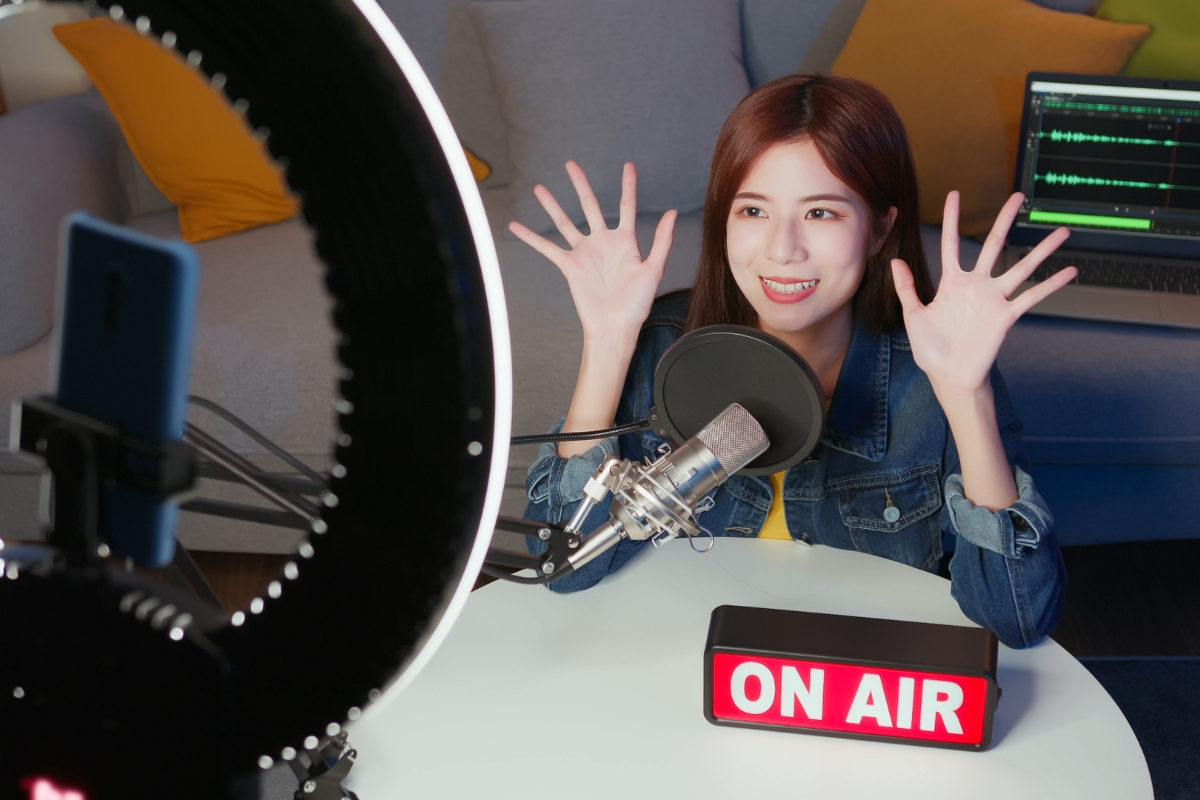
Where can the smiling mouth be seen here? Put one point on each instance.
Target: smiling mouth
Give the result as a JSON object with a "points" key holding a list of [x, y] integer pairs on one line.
{"points": [[790, 288]]}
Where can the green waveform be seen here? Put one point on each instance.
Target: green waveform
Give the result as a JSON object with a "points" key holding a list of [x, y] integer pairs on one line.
{"points": [[1157, 111], [1100, 138], [1058, 179]]}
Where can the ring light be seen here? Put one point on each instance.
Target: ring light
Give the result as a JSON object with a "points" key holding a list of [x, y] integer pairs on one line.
{"points": [[423, 415]]}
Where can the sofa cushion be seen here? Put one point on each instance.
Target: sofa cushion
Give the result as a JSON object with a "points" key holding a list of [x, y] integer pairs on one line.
{"points": [[55, 157], [648, 81], [1170, 49], [1112, 425], [465, 89], [956, 72], [1105, 393], [779, 34], [839, 24], [194, 147]]}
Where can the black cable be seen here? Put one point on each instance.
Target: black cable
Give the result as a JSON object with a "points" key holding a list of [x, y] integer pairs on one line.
{"points": [[504, 576], [245, 428], [580, 436]]}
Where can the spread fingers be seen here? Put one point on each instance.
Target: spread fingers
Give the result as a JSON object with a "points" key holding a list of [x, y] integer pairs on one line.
{"points": [[557, 215], [543, 245], [587, 198]]}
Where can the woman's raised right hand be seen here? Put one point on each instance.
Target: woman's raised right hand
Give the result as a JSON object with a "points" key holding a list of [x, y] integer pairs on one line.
{"points": [[612, 285]]}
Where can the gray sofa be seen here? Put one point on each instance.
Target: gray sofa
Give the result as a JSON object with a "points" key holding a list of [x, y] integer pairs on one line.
{"points": [[1111, 415], [1105, 406]]}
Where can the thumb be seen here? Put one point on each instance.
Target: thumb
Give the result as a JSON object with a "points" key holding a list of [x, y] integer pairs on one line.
{"points": [[906, 288]]}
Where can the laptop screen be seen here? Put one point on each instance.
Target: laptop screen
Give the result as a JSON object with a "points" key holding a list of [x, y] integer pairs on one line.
{"points": [[1119, 160]]}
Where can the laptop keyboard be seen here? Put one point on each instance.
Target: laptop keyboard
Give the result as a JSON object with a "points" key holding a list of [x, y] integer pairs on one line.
{"points": [[1172, 278]]}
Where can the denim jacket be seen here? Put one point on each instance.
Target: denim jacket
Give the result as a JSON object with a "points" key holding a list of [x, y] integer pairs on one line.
{"points": [[885, 437]]}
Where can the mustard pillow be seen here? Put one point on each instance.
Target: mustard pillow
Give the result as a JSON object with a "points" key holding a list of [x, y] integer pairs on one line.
{"points": [[1172, 50], [192, 145], [955, 71], [479, 168]]}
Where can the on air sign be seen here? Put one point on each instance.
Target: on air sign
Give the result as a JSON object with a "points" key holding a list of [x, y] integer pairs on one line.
{"points": [[850, 676]]}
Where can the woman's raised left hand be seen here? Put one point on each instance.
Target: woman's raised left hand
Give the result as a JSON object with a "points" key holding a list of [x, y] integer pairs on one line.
{"points": [[956, 338]]}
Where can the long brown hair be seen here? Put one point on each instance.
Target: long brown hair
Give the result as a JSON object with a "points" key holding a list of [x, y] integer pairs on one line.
{"points": [[862, 141]]}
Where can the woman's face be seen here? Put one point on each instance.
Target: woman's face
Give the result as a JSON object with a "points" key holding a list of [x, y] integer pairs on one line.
{"points": [[797, 239]]}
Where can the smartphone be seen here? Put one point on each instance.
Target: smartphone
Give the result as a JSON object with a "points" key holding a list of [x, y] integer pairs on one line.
{"points": [[125, 322]]}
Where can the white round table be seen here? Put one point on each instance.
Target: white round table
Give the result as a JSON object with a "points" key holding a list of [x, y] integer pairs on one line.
{"points": [[599, 694]]}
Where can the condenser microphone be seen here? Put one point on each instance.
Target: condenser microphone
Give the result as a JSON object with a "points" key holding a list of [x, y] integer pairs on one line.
{"points": [[659, 501]]}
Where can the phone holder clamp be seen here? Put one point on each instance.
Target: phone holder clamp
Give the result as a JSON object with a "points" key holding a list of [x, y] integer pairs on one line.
{"points": [[84, 455]]}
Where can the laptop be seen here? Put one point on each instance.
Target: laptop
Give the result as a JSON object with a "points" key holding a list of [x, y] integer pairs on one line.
{"points": [[1116, 160]]}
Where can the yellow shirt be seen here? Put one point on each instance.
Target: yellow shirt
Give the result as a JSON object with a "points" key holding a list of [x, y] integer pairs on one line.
{"points": [[776, 526]]}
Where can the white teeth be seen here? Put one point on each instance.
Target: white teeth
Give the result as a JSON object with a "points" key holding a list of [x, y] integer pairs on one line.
{"points": [[791, 288]]}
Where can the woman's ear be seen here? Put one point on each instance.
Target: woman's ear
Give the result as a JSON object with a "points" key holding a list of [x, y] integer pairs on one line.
{"points": [[885, 224]]}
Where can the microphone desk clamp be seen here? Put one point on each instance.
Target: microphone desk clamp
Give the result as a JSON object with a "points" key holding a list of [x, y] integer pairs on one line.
{"points": [[639, 512], [656, 501]]}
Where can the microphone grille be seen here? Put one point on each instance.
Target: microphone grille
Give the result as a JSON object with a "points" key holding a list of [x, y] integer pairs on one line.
{"points": [[735, 438]]}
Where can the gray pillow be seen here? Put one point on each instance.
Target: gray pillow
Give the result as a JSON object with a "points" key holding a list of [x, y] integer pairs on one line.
{"points": [[832, 37], [610, 81], [465, 89], [777, 34]]}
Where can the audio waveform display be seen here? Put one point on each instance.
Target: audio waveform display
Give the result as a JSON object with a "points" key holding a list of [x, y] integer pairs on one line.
{"points": [[1157, 111], [1101, 138], [1112, 162], [1060, 179]]}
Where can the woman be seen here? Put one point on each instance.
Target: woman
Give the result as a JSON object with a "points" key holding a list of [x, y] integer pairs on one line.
{"points": [[811, 234]]}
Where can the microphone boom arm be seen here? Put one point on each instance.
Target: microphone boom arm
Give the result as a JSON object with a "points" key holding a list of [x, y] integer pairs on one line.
{"points": [[656, 501]]}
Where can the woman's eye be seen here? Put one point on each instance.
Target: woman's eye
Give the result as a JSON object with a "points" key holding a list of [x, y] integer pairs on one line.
{"points": [[819, 213], [751, 211]]}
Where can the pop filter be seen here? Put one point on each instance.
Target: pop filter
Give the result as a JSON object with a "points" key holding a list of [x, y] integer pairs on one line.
{"points": [[709, 368]]}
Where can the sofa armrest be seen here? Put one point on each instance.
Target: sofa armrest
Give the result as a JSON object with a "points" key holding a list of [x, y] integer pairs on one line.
{"points": [[55, 157]]}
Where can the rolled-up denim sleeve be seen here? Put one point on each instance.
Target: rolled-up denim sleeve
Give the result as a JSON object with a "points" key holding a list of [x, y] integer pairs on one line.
{"points": [[1007, 572], [554, 486], [558, 482], [1023, 524]]}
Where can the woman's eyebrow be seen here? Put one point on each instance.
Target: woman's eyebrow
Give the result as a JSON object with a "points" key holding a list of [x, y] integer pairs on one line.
{"points": [[809, 199], [814, 197]]}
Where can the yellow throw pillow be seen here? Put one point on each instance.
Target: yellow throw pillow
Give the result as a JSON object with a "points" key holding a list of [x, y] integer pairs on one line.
{"points": [[955, 71], [1172, 50], [479, 168], [192, 145]]}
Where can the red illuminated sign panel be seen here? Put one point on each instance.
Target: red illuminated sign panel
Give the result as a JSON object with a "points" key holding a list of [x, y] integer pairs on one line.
{"points": [[45, 789], [849, 698], [857, 677]]}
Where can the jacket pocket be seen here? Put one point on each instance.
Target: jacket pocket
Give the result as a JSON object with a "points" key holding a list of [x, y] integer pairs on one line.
{"points": [[890, 502]]}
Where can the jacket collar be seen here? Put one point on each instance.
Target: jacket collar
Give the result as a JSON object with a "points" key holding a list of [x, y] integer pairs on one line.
{"points": [[857, 422]]}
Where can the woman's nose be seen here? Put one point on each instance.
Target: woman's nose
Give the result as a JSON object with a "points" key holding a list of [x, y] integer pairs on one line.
{"points": [[784, 245]]}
